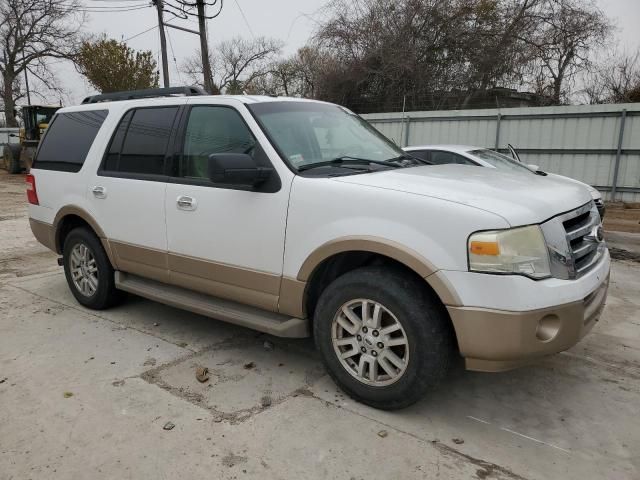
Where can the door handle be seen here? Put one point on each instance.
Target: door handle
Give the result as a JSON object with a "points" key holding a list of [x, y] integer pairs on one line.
{"points": [[99, 192], [186, 203]]}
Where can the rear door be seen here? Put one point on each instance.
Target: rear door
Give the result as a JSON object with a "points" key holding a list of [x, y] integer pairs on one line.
{"points": [[127, 194], [225, 241]]}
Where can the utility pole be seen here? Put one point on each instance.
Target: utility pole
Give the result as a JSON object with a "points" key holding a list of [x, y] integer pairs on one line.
{"points": [[204, 49], [163, 43]]}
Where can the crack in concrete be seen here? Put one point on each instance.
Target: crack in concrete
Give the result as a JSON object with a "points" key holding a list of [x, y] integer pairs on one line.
{"points": [[485, 470], [236, 417]]}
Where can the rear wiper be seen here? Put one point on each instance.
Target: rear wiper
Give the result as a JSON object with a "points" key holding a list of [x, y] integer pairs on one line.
{"points": [[347, 160]]}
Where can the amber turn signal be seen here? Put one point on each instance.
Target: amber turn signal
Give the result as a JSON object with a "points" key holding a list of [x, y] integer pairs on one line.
{"points": [[484, 248]]}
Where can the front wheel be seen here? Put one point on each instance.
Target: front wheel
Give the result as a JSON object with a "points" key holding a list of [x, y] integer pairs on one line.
{"points": [[89, 273], [384, 338]]}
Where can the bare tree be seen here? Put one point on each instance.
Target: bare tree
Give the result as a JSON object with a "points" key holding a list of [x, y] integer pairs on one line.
{"points": [[427, 53], [236, 63], [495, 51], [614, 80], [296, 76], [32, 31], [568, 32]]}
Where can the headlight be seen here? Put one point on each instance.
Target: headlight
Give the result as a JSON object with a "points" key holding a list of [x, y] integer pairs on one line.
{"points": [[595, 194], [518, 251]]}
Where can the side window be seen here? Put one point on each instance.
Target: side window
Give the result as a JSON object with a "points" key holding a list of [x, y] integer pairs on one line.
{"points": [[213, 130], [113, 155], [441, 158], [68, 139], [140, 142]]}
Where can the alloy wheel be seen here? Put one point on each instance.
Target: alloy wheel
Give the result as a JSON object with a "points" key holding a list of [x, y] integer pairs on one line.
{"points": [[370, 342], [84, 270]]}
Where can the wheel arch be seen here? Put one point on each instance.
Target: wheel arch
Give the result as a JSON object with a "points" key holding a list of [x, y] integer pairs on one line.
{"points": [[71, 217], [340, 256]]}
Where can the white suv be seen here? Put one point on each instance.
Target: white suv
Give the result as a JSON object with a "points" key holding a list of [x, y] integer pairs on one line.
{"points": [[296, 217]]}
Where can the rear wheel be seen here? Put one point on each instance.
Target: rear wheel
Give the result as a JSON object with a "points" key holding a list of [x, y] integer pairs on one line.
{"points": [[89, 273], [384, 338]]}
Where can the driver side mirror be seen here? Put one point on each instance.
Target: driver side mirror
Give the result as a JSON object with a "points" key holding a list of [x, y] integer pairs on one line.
{"points": [[238, 169]]}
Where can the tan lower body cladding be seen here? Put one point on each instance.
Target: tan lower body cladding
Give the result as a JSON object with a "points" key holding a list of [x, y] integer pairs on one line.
{"points": [[44, 233], [269, 291], [498, 340], [258, 289], [264, 290]]}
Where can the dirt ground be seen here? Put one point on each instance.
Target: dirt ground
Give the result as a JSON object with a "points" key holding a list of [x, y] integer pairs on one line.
{"points": [[113, 395], [621, 217]]}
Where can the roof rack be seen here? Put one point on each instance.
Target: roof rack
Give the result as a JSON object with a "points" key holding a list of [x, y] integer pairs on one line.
{"points": [[146, 93]]}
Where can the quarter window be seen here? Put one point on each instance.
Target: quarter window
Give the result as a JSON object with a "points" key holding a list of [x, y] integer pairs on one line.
{"points": [[140, 142], [68, 139], [213, 130]]}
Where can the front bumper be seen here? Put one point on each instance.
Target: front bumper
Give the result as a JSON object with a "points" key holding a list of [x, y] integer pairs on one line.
{"points": [[498, 339]]}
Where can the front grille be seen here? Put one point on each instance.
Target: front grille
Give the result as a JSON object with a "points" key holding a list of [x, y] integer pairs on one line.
{"points": [[583, 248], [573, 250]]}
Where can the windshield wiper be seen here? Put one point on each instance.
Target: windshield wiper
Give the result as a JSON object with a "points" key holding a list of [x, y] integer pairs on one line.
{"points": [[348, 160], [408, 156]]}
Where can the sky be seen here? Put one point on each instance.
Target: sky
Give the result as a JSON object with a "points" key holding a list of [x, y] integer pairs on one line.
{"points": [[291, 21]]}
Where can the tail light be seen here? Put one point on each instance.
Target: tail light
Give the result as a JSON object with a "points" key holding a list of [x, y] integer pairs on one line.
{"points": [[32, 195]]}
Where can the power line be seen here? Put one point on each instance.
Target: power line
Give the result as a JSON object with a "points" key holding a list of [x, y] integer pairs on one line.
{"points": [[187, 7], [114, 9], [144, 31], [175, 62], [141, 33], [246, 22]]}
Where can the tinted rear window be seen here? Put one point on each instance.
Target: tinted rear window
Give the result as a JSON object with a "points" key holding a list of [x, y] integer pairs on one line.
{"points": [[68, 140]]}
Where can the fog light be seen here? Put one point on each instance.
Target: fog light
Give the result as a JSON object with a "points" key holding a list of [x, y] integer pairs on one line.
{"points": [[548, 328]]}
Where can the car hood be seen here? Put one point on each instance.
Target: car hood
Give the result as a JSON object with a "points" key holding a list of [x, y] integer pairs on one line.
{"points": [[595, 194], [520, 198]]}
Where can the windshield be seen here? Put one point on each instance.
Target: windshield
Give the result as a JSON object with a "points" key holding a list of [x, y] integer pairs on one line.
{"points": [[307, 133], [498, 160]]}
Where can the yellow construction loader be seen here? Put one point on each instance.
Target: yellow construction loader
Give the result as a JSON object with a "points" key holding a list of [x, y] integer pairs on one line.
{"points": [[17, 157]]}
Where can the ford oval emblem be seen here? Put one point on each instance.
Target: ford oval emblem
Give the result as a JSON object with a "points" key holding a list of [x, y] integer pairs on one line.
{"points": [[596, 235]]}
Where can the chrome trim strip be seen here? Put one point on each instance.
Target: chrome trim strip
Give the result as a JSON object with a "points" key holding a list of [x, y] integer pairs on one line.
{"points": [[580, 231]]}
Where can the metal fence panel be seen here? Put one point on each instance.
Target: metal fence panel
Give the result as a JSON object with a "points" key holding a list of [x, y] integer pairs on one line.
{"points": [[583, 142], [9, 135]]}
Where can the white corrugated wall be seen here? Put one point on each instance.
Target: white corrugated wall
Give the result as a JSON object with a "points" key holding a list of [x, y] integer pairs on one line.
{"points": [[577, 141]]}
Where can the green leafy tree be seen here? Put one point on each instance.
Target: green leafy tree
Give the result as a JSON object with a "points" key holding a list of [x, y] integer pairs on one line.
{"points": [[112, 66]]}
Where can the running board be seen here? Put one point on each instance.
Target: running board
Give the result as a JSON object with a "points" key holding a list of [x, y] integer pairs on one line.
{"points": [[228, 311]]}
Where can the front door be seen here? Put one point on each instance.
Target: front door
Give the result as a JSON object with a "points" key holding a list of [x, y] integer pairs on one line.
{"points": [[224, 241]]}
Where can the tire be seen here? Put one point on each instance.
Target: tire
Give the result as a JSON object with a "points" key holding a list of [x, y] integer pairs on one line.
{"points": [[429, 348], [11, 161], [103, 294]]}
